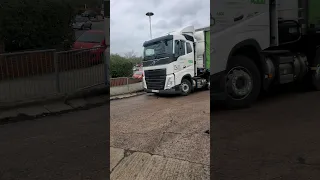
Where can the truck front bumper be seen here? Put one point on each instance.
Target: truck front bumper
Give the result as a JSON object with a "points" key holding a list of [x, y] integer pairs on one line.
{"points": [[173, 90], [217, 86]]}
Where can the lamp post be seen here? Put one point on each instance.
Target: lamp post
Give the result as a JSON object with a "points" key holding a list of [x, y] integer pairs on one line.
{"points": [[150, 14]]}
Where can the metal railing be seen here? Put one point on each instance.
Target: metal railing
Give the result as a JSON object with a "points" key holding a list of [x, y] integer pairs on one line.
{"points": [[36, 74]]}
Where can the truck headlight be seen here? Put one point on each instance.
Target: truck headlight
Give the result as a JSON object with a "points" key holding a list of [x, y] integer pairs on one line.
{"points": [[170, 82], [144, 83]]}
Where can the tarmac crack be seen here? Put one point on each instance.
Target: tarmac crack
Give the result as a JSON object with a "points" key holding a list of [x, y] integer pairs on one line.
{"points": [[138, 133], [128, 152], [302, 161], [165, 130]]}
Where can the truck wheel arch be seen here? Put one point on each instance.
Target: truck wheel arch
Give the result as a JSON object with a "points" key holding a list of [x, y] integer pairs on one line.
{"points": [[187, 76], [251, 49]]}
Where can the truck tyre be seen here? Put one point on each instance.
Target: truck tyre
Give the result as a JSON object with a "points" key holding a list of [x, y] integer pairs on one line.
{"points": [[185, 87], [243, 82], [316, 72]]}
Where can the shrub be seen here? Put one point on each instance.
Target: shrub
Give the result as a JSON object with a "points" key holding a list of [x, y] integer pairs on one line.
{"points": [[36, 24], [120, 66]]}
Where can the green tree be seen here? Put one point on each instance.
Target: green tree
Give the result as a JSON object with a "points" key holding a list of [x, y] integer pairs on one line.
{"points": [[120, 66], [131, 56]]}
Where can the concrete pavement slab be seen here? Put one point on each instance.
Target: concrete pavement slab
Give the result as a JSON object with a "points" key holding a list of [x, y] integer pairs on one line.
{"points": [[174, 127], [116, 155], [33, 110], [130, 167], [168, 168], [77, 103], [8, 113], [143, 166], [190, 147], [57, 107], [95, 100], [123, 96], [145, 142]]}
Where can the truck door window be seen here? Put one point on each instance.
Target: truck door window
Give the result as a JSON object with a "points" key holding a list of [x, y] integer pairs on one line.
{"points": [[176, 48], [189, 48], [183, 48]]}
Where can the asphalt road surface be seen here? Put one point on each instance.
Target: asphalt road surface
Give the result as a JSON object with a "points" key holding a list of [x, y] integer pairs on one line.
{"points": [[95, 26], [172, 127], [278, 139], [72, 146]]}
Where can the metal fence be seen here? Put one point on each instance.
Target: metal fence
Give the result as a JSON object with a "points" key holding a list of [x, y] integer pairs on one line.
{"points": [[36, 74]]}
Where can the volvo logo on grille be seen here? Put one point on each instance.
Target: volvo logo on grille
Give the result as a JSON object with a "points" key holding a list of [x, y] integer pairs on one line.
{"points": [[153, 62]]}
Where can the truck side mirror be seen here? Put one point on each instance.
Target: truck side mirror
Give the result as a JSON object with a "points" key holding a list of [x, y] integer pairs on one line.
{"points": [[289, 31]]}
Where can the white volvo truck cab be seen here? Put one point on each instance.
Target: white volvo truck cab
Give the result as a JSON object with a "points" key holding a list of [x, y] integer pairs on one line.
{"points": [[258, 44], [175, 63]]}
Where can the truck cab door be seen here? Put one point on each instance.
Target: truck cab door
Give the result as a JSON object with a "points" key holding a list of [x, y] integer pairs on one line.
{"points": [[185, 61], [189, 63], [184, 56]]}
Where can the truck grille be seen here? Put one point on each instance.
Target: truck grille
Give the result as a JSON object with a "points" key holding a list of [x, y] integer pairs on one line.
{"points": [[155, 79]]}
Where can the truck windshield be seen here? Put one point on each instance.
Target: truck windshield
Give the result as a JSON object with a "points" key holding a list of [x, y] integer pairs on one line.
{"points": [[160, 49]]}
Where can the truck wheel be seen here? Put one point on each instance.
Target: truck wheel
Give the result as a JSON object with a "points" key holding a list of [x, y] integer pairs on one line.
{"points": [[316, 79], [243, 82], [185, 87], [316, 72]]}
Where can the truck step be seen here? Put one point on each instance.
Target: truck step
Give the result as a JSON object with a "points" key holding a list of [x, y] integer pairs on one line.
{"points": [[286, 78], [275, 51]]}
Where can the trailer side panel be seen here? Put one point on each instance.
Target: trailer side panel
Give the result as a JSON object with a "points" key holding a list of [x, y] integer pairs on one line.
{"points": [[207, 44]]}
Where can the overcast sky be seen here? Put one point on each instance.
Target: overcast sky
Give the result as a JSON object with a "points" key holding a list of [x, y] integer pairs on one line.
{"points": [[129, 26]]}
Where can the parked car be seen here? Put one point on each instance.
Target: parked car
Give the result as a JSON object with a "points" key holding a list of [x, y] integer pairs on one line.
{"points": [[90, 14], [138, 75], [102, 14], [94, 40], [82, 23]]}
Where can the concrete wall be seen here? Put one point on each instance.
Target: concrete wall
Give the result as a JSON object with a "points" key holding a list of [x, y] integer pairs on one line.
{"points": [[130, 88]]}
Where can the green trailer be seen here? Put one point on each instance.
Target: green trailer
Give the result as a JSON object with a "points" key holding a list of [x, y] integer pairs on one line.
{"points": [[207, 46], [207, 51], [314, 13]]}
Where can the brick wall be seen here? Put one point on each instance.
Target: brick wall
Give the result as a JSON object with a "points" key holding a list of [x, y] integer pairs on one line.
{"points": [[123, 81]]}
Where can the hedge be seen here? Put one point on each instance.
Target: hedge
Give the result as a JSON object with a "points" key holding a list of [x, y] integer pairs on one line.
{"points": [[122, 66]]}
